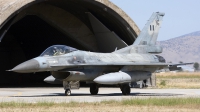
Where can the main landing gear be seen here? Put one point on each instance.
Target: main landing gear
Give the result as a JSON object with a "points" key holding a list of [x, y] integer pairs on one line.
{"points": [[126, 89], [94, 89]]}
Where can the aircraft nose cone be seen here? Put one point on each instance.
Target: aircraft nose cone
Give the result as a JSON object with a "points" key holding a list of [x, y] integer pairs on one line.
{"points": [[27, 67]]}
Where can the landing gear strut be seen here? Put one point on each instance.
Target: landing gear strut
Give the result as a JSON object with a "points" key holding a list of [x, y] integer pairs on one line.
{"points": [[126, 90], [94, 89], [66, 88], [144, 83], [68, 85]]}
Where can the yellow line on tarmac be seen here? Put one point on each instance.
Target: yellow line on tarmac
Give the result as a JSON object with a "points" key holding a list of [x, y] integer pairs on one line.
{"points": [[18, 94]]}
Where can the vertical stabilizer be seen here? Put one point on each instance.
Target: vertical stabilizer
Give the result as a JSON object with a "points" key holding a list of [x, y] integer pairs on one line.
{"points": [[149, 34]]}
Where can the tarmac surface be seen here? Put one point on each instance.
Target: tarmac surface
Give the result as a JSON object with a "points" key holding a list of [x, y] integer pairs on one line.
{"points": [[56, 94]]}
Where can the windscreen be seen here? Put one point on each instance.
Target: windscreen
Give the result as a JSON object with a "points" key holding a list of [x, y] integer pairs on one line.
{"points": [[57, 50]]}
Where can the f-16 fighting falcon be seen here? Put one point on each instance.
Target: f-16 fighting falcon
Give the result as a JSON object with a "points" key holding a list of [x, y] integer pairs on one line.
{"points": [[130, 64]]}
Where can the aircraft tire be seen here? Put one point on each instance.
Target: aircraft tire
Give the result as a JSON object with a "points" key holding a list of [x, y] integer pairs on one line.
{"points": [[67, 92], [94, 89], [126, 90]]}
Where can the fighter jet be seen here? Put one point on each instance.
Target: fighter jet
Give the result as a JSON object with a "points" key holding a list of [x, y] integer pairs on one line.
{"points": [[130, 64]]}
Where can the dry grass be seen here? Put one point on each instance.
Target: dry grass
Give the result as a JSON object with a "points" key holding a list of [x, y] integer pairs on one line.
{"points": [[183, 80], [178, 75], [103, 109], [136, 105]]}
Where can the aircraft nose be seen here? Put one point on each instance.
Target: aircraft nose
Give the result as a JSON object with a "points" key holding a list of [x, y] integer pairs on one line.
{"points": [[27, 67]]}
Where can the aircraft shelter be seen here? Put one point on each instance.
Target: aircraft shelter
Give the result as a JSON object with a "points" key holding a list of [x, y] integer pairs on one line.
{"points": [[28, 27]]}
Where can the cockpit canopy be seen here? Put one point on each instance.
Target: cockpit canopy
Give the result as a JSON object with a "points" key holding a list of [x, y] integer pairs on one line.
{"points": [[56, 50]]}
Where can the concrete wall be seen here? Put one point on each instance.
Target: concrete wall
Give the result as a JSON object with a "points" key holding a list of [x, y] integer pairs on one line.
{"points": [[9, 8]]}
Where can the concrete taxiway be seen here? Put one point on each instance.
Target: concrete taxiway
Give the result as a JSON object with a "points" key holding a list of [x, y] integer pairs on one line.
{"points": [[83, 95]]}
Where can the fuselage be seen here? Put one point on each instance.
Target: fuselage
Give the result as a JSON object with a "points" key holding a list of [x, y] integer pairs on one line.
{"points": [[77, 58], [97, 64], [80, 58]]}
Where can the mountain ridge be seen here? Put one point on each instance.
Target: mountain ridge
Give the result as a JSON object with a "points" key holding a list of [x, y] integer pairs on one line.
{"points": [[185, 48]]}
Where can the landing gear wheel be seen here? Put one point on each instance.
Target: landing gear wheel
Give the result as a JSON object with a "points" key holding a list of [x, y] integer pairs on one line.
{"points": [[126, 90], [94, 89], [67, 92]]}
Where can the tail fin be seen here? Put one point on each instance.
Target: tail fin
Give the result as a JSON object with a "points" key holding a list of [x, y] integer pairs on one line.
{"points": [[149, 34]]}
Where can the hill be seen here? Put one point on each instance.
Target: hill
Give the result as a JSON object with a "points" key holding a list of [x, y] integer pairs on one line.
{"points": [[185, 48]]}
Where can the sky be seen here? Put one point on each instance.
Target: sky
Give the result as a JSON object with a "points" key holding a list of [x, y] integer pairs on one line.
{"points": [[181, 16]]}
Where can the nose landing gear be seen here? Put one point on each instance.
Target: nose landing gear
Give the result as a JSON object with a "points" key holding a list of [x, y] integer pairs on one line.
{"points": [[70, 85]]}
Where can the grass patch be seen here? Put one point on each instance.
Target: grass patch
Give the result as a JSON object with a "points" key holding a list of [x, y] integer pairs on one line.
{"points": [[163, 83], [134, 101], [130, 105], [163, 101], [22, 104], [182, 80], [48, 104], [178, 75]]}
